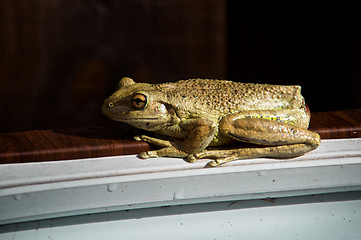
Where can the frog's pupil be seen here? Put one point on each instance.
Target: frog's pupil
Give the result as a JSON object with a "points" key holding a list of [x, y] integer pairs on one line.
{"points": [[139, 101]]}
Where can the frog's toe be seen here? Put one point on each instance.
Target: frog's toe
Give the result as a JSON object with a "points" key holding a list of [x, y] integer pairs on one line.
{"points": [[205, 154], [215, 163], [148, 154], [142, 138], [211, 164], [196, 156], [143, 155], [192, 158], [137, 138]]}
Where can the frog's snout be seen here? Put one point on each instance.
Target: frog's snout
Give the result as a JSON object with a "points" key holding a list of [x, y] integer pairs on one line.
{"points": [[113, 109], [106, 106], [110, 104]]}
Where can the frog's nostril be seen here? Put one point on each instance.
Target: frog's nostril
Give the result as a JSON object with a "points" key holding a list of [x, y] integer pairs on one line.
{"points": [[111, 104]]}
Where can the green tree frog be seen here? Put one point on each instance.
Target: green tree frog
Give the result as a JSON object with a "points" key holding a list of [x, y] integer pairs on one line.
{"points": [[199, 118]]}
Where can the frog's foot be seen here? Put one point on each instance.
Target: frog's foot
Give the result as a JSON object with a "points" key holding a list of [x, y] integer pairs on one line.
{"points": [[148, 154], [167, 151], [152, 140], [219, 156], [164, 152], [216, 162], [215, 154]]}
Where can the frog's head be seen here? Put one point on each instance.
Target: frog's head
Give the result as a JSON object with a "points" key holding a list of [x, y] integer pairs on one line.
{"points": [[138, 104]]}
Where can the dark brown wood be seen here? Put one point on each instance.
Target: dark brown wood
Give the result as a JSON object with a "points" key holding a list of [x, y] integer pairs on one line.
{"points": [[337, 124], [50, 145]]}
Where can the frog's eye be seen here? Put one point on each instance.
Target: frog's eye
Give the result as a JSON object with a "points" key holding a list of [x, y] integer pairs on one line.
{"points": [[139, 101]]}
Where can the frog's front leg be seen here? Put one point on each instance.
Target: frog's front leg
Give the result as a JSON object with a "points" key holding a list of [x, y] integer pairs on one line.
{"points": [[282, 140], [198, 134], [167, 150]]}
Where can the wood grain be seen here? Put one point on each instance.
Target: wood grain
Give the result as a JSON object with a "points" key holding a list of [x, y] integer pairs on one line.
{"points": [[50, 145], [337, 124]]}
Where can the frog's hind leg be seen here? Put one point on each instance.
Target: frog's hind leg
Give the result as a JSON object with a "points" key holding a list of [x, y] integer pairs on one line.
{"points": [[278, 140], [224, 156]]}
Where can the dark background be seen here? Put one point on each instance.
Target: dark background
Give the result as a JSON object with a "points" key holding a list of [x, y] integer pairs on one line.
{"points": [[60, 59]]}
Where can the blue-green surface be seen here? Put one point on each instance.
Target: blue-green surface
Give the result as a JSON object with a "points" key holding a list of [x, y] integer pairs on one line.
{"points": [[325, 216]]}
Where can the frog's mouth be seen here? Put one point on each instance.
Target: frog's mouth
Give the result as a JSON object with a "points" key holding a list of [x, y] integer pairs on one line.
{"points": [[146, 123], [145, 118], [117, 114], [134, 119]]}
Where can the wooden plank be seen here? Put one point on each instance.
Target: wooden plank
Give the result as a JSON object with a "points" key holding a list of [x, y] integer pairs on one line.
{"points": [[337, 124], [50, 145]]}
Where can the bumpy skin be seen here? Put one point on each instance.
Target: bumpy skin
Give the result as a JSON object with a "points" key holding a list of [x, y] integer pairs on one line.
{"points": [[194, 114]]}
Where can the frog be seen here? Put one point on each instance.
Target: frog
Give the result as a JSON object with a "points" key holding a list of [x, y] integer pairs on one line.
{"points": [[201, 118]]}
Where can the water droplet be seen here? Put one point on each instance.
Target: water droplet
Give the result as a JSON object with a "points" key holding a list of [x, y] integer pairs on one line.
{"points": [[17, 197], [178, 194], [112, 187]]}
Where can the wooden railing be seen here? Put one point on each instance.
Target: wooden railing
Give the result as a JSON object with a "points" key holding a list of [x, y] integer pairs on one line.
{"points": [[65, 144]]}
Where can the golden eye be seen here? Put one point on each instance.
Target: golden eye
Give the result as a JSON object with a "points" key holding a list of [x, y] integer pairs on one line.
{"points": [[139, 101], [110, 104]]}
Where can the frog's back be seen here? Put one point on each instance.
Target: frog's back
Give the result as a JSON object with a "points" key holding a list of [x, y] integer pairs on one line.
{"points": [[229, 97]]}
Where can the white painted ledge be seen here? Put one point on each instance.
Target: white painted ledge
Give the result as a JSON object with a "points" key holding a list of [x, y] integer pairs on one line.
{"points": [[33, 191]]}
